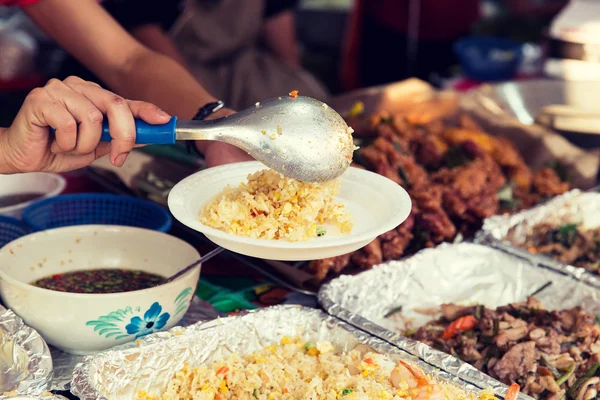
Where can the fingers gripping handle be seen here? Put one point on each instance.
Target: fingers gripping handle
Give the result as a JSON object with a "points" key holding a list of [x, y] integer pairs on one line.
{"points": [[145, 133]]}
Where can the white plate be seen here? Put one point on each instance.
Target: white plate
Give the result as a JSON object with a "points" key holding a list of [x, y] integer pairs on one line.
{"points": [[376, 203]]}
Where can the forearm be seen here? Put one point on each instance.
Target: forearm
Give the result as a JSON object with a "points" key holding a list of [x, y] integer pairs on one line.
{"points": [[155, 38], [130, 69], [279, 36], [159, 80], [127, 67]]}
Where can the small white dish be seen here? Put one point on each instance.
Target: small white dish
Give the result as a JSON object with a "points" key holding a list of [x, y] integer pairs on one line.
{"points": [[42, 183], [376, 203], [85, 323]]}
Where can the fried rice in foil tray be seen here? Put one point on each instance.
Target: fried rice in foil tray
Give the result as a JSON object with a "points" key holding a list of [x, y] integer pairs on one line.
{"points": [[397, 298], [511, 232], [145, 369], [25, 362]]}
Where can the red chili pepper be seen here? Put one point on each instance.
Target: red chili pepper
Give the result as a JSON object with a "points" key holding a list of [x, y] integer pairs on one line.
{"points": [[460, 325], [513, 392], [368, 361]]}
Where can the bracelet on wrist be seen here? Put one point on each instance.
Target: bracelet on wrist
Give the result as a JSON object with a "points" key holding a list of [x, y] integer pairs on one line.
{"points": [[203, 113]]}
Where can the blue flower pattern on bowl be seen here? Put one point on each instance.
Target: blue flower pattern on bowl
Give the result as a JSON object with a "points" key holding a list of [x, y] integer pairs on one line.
{"points": [[153, 321], [133, 323]]}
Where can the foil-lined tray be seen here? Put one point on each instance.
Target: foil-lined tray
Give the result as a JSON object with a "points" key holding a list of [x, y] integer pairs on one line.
{"points": [[41, 396], [25, 362], [509, 232], [65, 363], [400, 295], [149, 366]]}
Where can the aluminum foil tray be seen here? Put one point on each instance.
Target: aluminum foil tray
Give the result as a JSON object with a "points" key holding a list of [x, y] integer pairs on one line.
{"points": [[64, 363], [25, 362], [124, 373], [508, 232], [463, 273], [41, 396]]}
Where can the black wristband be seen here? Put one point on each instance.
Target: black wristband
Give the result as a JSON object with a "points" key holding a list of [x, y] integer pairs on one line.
{"points": [[202, 114]]}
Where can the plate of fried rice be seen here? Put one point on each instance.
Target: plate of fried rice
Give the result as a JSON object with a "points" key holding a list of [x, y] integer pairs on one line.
{"points": [[251, 210]]}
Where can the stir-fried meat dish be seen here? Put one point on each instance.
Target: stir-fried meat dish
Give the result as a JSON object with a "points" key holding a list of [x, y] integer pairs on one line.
{"points": [[456, 174], [570, 244], [552, 354]]}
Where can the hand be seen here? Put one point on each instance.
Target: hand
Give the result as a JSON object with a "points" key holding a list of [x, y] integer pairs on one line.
{"points": [[220, 153], [75, 109]]}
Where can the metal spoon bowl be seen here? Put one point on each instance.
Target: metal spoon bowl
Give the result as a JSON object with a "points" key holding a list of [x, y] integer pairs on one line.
{"points": [[299, 137]]}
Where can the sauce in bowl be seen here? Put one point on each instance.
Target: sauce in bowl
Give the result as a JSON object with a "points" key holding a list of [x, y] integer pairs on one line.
{"points": [[104, 280]]}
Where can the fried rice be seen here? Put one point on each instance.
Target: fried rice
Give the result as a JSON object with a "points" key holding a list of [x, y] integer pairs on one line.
{"points": [[272, 206], [299, 370]]}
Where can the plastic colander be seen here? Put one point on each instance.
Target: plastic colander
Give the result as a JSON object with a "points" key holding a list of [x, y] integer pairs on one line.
{"points": [[11, 229], [96, 209]]}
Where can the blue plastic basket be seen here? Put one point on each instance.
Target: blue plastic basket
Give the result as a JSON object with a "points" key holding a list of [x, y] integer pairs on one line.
{"points": [[488, 58], [96, 209], [11, 229]]}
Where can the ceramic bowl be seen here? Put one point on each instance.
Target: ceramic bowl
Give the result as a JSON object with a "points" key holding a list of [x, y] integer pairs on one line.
{"points": [[41, 183], [85, 323]]}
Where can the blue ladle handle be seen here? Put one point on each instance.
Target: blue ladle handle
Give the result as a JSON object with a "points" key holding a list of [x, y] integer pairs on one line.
{"points": [[145, 132]]}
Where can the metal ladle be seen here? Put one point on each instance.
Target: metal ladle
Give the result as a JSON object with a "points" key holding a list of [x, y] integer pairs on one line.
{"points": [[299, 137]]}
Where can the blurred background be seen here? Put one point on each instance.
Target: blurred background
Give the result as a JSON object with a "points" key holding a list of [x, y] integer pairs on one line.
{"points": [[352, 44], [486, 73]]}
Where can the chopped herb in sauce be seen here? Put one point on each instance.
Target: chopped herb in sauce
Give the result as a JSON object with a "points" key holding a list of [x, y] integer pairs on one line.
{"points": [[106, 280], [347, 391]]}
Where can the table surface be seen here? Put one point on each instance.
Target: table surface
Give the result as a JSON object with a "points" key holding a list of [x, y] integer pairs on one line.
{"points": [[226, 285]]}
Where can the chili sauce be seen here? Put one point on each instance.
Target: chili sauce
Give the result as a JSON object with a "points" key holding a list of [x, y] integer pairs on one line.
{"points": [[105, 280]]}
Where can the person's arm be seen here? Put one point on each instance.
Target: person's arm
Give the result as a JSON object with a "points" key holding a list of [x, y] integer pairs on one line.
{"points": [[90, 34], [155, 38], [279, 36]]}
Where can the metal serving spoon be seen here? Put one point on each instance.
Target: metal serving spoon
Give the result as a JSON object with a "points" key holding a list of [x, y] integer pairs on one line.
{"points": [[193, 265], [298, 137]]}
